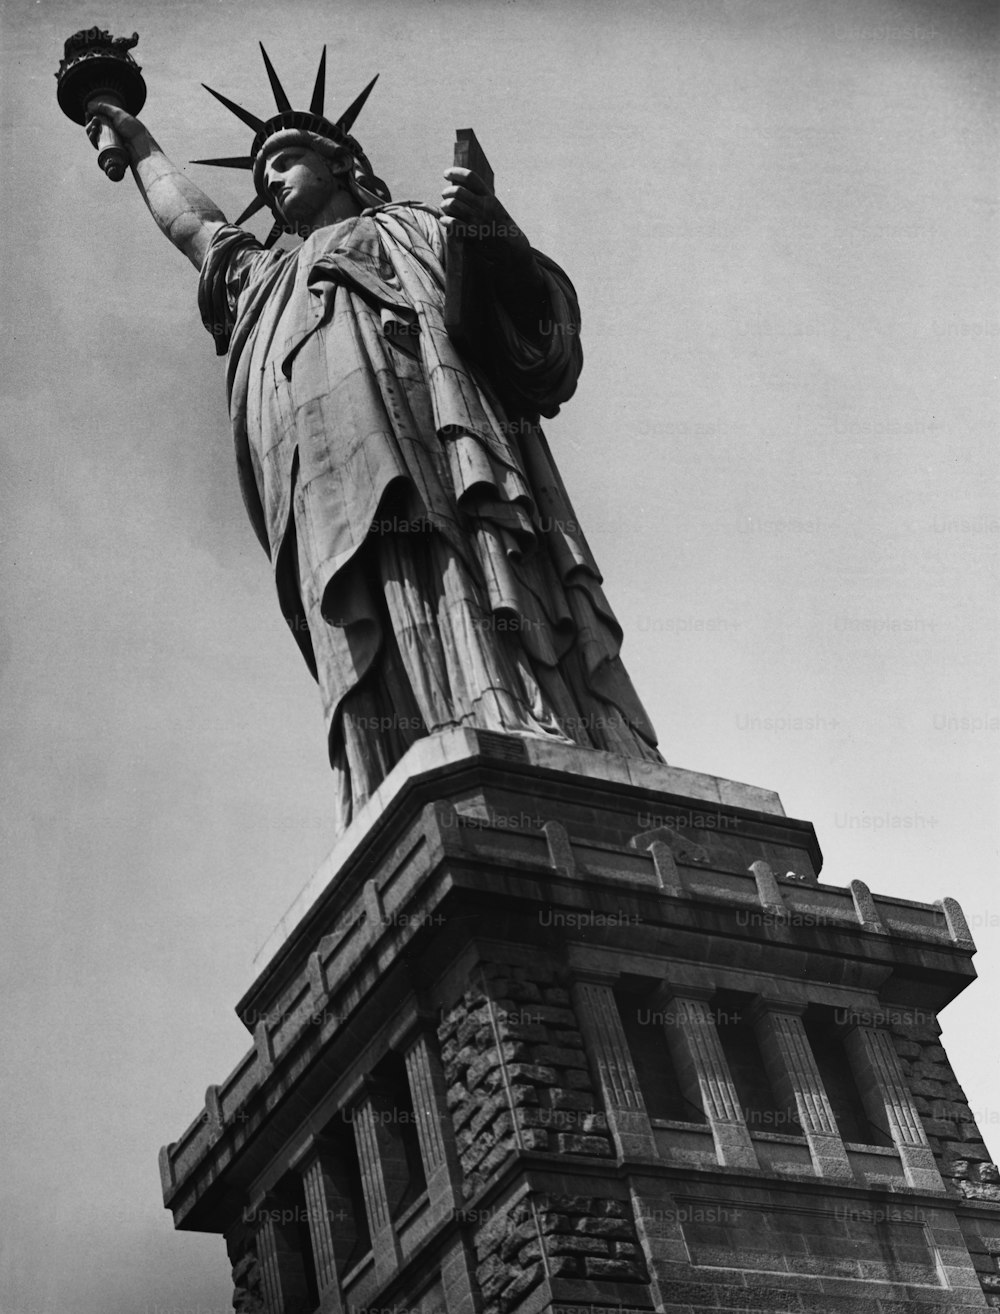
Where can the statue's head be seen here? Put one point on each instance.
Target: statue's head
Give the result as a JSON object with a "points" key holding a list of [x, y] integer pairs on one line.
{"points": [[319, 155], [297, 171]]}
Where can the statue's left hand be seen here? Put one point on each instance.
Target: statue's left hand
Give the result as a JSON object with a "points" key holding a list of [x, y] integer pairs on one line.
{"points": [[469, 203]]}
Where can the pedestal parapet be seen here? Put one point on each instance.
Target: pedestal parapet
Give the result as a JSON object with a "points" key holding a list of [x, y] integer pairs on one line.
{"points": [[554, 1030]]}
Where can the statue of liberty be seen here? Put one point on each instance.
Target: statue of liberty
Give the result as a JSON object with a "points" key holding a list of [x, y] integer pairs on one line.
{"points": [[425, 552]]}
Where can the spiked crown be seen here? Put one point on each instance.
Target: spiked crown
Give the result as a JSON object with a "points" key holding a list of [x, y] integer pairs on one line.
{"points": [[288, 120]]}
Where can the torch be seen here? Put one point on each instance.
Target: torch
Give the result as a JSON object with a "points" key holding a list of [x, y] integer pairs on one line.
{"points": [[97, 67]]}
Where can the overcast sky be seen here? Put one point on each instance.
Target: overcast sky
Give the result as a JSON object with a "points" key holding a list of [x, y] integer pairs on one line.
{"points": [[780, 216]]}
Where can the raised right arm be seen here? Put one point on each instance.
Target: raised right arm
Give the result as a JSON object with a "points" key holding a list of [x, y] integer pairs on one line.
{"points": [[181, 209]]}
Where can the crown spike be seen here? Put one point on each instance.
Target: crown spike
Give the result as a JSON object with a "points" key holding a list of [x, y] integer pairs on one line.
{"points": [[256, 204], [251, 120], [319, 90], [229, 162], [272, 236], [280, 99], [346, 120]]}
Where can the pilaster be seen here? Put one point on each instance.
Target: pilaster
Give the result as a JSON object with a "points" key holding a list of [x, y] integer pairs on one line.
{"points": [[889, 1104], [601, 1025], [282, 1271], [703, 1072], [795, 1077], [329, 1210], [383, 1175], [434, 1127]]}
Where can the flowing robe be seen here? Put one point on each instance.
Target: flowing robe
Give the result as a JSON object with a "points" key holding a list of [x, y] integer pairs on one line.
{"points": [[426, 555]]}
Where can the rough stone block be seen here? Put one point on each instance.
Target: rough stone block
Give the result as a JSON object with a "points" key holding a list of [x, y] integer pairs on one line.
{"points": [[966, 1150], [922, 1086], [561, 1039], [571, 1099], [607, 1227], [520, 1286], [557, 1017], [559, 1056], [558, 1244], [579, 1080], [622, 1270], [570, 1143], [538, 1073], [936, 1127], [907, 1049], [566, 1266], [523, 992]]}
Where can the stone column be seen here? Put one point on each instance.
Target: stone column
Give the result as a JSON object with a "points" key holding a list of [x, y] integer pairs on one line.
{"points": [[282, 1265], [889, 1105], [332, 1226], [383, 1175], [604, 1036], [434, 1128], [703, 1071], [795, 1078]]}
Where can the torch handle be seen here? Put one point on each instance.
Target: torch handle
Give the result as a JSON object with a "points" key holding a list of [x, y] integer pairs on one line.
{"points": [[112, 156]]}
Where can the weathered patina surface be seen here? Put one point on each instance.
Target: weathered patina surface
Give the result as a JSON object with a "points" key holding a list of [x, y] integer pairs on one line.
{"points": [[427, 558]]}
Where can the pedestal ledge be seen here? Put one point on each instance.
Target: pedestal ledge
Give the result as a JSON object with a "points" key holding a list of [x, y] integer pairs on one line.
{"points": [[444, 756]]}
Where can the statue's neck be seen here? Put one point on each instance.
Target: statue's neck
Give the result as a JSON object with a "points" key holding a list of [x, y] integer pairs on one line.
{"points": [[342, 205], [339, 207]]}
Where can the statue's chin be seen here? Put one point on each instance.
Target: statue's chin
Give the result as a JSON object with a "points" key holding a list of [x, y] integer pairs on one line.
{"points": [[289, 216], [299, 214]]}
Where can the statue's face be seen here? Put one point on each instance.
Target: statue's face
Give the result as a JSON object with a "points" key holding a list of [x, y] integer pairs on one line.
{"points": [[299, 181]]}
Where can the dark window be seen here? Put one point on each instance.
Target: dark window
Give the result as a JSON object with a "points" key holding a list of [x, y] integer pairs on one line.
{"points": [[838, 1079], [349, 1217], [644, 1030], [292, 1190], [399, 1143], [762, 1110]]}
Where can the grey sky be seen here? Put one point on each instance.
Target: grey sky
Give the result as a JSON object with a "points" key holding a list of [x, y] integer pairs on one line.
{"points": [[780, 216]]}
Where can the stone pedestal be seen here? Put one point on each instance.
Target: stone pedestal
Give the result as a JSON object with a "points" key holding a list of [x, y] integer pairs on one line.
{"points": [[517, 1045]]}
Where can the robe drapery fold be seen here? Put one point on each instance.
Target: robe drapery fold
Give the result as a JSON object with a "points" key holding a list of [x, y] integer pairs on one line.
{"points": [[426, 554]]}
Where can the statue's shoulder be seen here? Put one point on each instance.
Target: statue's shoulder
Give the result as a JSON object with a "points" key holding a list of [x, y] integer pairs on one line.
{"points": [[400, 207], [416, 215]]}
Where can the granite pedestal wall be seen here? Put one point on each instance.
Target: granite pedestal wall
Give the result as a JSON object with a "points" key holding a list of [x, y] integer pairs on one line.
{"points": [[555, 1031]]}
